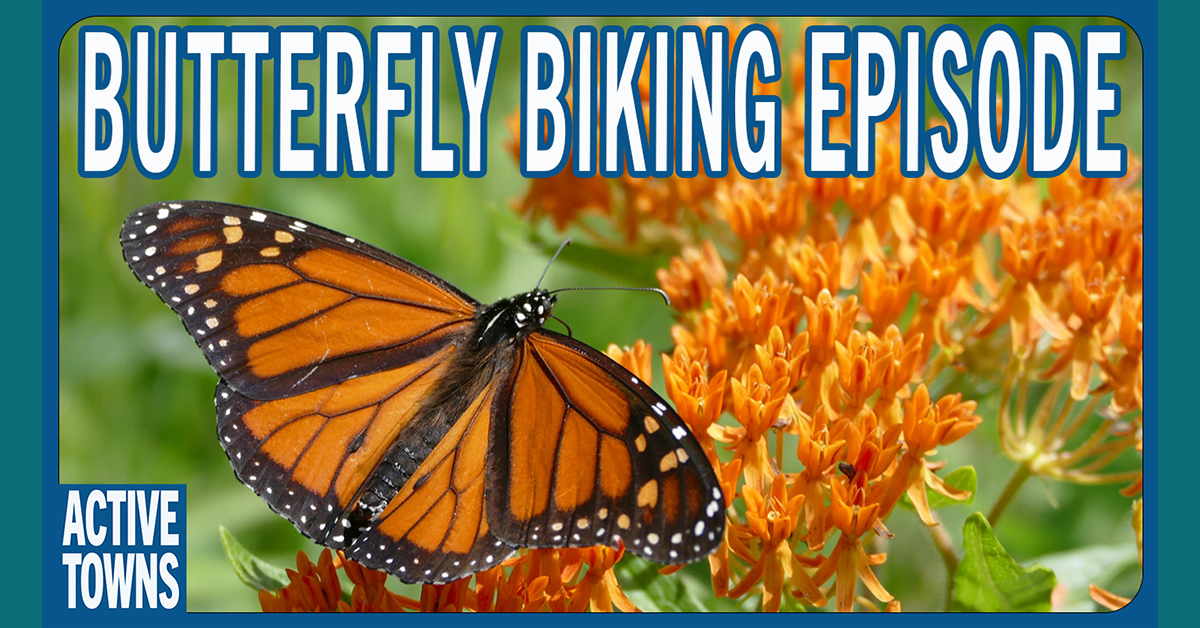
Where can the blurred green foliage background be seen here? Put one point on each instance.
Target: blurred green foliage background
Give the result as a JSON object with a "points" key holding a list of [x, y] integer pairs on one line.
{"points": [[135, 400]]}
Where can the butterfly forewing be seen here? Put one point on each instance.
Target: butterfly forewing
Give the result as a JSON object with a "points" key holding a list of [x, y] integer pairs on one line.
{"points": [[281, 307], [590, 455]]}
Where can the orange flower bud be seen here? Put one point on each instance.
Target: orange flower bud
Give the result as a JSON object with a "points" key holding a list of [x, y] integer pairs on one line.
{"points": [[636, 359], [692, 277], [886, 293]]}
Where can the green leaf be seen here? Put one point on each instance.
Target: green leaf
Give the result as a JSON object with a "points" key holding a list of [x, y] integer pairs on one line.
{"points": [[682, 591], [252, 570], [1099, 565], [512, 230], [989, 580], [963, 479]]}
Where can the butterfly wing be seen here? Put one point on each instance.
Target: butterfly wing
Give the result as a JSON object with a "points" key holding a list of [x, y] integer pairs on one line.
{"points": [[280, 307], [326, 346], [436, 528], [583, 453]]}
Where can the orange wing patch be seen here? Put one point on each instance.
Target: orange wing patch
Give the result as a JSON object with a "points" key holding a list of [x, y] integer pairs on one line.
{"points": [[195, 243], [618, 467], [284, 307], [249, 280], [534, 425], [575, 477], [355, 327], [362, 275], [589, 388]]}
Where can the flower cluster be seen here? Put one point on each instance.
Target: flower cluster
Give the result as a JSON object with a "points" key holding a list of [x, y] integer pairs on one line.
{"points": [[563, 580], [815, 318]]}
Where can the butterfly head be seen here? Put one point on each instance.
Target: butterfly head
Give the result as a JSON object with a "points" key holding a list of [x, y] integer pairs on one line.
{"points": [[510, 318]]}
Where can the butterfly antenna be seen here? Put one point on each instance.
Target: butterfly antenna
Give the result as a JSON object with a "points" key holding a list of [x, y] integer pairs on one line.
{"points": [[560, 248], [631, 289]]}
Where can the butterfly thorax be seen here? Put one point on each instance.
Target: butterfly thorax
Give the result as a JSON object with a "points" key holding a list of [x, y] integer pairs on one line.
{"points": [[507, 320]]}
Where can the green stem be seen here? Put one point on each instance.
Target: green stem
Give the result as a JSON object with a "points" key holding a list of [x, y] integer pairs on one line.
{"points": [[1010, 491], [945, 547]]}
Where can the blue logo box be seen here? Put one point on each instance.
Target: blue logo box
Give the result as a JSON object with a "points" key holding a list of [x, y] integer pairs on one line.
{"points": [[121, 548]]}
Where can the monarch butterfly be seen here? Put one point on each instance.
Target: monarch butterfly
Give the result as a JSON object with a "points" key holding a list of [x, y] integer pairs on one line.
{"points": [[386, 413]]}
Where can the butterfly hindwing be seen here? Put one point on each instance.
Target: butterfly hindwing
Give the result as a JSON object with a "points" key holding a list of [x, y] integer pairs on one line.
{"points": [[308, 456], [590, 455], [281, 307], [436, 528]]}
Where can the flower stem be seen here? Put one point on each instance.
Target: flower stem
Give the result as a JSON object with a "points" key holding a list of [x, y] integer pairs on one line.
{"points": [[945, 547], [779, 450], [1010, 491]]}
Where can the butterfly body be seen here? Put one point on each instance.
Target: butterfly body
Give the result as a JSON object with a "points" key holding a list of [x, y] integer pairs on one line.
{"points": [[386, 413]]}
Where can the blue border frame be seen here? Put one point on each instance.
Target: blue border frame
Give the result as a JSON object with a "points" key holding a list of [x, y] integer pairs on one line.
{"points": [[58, 17]]}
